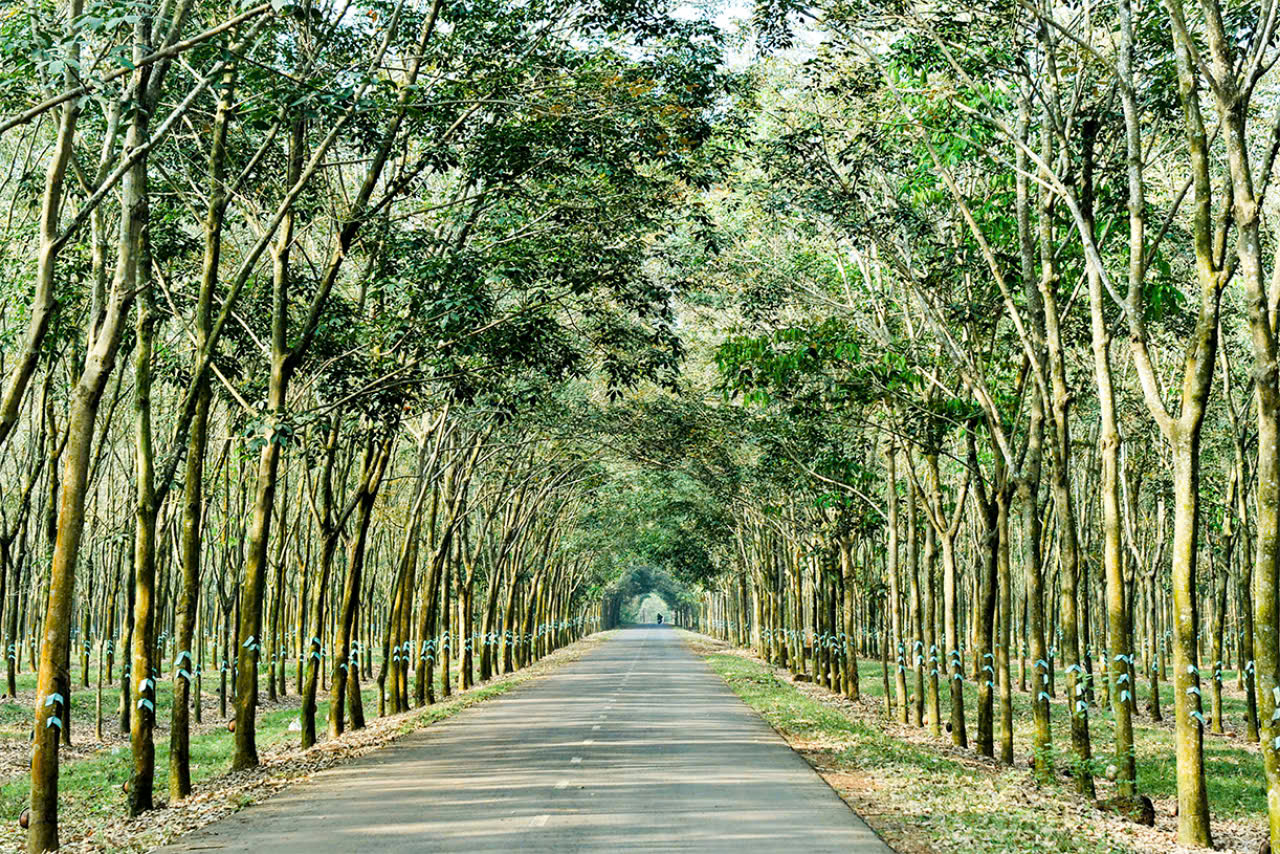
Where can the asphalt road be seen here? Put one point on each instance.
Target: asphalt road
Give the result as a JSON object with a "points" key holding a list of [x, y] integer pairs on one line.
{"points": [[637, 746]]}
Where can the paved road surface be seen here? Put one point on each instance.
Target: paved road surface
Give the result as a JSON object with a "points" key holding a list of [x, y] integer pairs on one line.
{"points": [[637, 746]]}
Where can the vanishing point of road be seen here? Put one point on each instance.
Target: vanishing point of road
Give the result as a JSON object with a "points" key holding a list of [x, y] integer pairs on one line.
{"points": [[636, 746]]}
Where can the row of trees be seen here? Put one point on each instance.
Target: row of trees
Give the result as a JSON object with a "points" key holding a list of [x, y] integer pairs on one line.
{"points": [[379, 271], [292, 293], [946, 220]]}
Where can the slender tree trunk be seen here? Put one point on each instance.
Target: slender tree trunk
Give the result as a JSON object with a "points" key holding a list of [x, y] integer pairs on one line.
{"points": [[1004, 637], [891, 551], [850, 627], [1193, 798], [931, 637], [142, 779], [53, 688]]}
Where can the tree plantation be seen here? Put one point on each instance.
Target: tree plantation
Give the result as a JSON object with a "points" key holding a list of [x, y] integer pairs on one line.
{"points": [[919, 361]]}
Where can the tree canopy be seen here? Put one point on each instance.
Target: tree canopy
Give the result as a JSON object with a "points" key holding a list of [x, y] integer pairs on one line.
{"points": [[406, 342]]}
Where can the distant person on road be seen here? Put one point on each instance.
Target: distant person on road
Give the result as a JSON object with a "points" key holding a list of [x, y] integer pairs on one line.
{"points": [[659, 619]]}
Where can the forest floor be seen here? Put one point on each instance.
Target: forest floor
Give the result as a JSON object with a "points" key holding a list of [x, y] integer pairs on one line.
{"points": [[92, 804], [923, 794]]}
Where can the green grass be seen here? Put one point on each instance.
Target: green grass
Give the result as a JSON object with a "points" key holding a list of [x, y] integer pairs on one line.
{"points": [[91, 786], [1233, 773], [951, 804]]}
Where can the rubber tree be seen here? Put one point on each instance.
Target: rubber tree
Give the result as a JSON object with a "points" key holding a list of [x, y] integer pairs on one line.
{"points": [[285, 358]]}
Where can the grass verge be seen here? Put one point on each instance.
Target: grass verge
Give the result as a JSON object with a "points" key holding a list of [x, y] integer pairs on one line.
{"points": [[923, 794]]}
